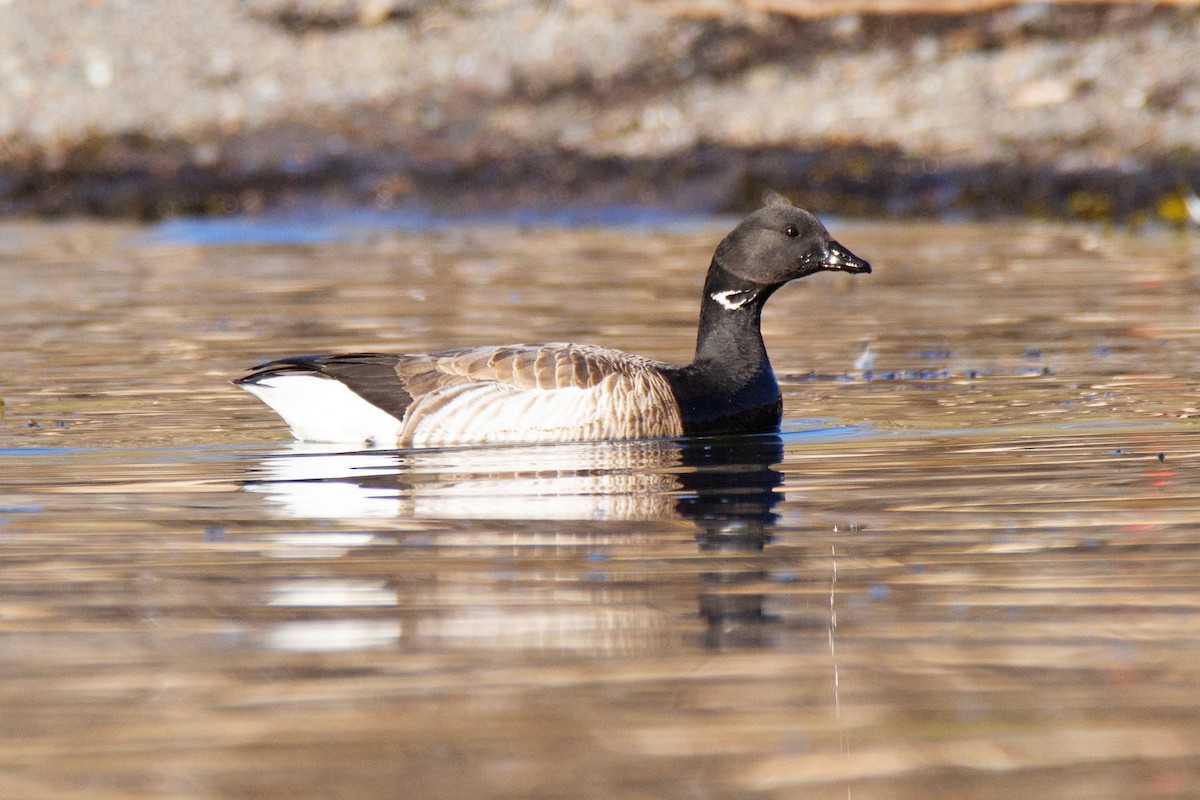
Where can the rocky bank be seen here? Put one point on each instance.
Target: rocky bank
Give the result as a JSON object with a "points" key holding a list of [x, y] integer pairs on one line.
{"points": [[905, 107]]}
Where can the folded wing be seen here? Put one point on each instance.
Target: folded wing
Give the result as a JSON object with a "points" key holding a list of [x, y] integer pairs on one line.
{"points": [[534, 393]]}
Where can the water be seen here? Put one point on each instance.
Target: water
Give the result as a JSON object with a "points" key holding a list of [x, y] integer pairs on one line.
{"points": [[968, 566]]}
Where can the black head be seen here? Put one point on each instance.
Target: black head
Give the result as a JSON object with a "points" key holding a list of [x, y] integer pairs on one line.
{"points": [[779, 243]]}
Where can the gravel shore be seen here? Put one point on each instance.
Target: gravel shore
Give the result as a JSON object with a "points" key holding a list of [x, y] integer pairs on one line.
{"points": [[149, 109]]}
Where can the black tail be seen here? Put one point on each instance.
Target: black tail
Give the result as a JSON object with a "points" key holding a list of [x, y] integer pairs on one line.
{"points": [[372, 376]]}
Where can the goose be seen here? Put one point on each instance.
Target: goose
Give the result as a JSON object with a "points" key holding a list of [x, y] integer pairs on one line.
{"points": [[560, 392]]}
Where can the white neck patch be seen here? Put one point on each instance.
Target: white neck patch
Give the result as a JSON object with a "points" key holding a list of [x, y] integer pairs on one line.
{"points": [[730, 299]]}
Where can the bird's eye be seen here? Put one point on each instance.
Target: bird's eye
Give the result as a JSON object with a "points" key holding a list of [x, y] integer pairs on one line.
{"points": [[791, 231]]}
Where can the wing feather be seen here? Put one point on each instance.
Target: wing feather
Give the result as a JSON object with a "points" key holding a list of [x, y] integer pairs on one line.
{"points": [[531, 393]]}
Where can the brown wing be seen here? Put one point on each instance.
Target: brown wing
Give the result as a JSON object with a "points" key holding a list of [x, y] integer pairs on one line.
{"points": [[525, 393], [543, 366]]}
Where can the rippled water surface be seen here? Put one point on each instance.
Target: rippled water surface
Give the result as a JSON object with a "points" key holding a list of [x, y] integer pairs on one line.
{"points": [[967, 567]]}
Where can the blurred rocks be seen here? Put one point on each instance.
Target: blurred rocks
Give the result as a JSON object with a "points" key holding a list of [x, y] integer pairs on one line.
{"points": [[117, 107]]}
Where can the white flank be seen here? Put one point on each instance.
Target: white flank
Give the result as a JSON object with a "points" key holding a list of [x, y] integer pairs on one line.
{"points": [[324, 410]]}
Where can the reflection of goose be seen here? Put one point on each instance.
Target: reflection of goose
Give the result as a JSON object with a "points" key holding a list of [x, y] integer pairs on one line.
{"points": [[726, 485], [730, 497], [603, 480], [568, 392]]}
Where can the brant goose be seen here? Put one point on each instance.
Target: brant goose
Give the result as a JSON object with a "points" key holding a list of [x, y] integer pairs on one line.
{"points": [[571, 392]]}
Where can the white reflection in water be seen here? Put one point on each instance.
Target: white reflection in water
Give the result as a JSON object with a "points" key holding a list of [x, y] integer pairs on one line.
{"points": [[334, 499], [326, 593], [318, 544], [308, 481], [333, 635]]}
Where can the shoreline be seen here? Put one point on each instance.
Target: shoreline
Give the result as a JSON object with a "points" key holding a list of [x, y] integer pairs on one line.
{"points": [[854, 181], [1073, 111]]}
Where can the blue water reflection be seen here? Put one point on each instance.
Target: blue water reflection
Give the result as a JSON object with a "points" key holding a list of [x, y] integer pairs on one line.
{"points": [[328, 225]]}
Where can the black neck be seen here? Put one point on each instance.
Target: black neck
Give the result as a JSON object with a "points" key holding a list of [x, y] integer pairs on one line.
{"points": [[729, 340], [729, 387]]}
